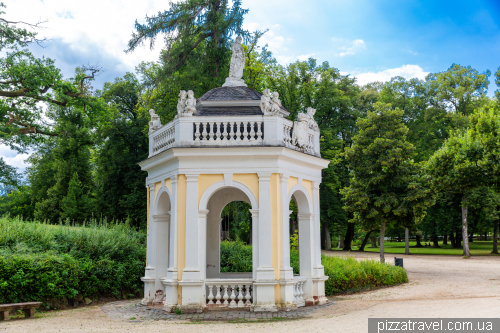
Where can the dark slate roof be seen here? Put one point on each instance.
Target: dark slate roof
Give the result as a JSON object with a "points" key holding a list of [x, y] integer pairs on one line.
{"points": [[229, 111], [231, 94]]}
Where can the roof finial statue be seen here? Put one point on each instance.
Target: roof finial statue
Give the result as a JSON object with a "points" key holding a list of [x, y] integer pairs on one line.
{"points": [[237, 65], [155, 122]]}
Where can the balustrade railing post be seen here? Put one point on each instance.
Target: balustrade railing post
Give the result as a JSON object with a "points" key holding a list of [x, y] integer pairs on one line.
{"points": [[226, 296], [233, 296], [197, 132], [252, 131], [210, 295]]}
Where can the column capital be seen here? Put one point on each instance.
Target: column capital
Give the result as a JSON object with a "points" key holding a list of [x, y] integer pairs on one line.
{"points": [[316, 185], [202, 213], [174, 179], [284, 177], [264, 176], [305, 216], [152, 187], [192, 177], [254, 212], [162, 218]]}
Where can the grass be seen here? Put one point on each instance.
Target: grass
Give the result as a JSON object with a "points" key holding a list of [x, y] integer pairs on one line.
{"points": [[477, 248]]}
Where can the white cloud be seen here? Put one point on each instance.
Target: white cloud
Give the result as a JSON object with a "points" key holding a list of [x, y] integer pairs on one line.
{"points": [[304, 57], [105, 26], [348, 47], [406, 71]]}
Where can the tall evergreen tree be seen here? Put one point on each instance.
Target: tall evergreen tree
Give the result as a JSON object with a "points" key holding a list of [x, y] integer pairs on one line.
{"points": [[386, 186]]}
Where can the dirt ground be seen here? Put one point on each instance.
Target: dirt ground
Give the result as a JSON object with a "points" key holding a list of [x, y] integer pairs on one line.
{"points": [[440, 286]]}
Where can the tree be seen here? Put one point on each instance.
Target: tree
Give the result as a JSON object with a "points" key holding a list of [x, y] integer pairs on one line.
{"points": [[9, 177], [189, 24], [28, 84], [459, 89], [468, 161], [121, 145], [385, 182], [76, 204]]}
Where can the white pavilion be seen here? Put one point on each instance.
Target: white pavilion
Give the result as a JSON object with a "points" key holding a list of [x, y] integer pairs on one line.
{"points": [[232, 144]]}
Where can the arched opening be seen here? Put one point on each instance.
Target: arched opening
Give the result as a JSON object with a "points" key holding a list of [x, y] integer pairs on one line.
{"points": [[229, 234], [161, 240], [294, 237], [301, 237], [236, 238]]}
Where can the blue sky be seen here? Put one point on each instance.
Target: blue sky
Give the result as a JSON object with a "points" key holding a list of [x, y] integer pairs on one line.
{"points": [[370, 39]]}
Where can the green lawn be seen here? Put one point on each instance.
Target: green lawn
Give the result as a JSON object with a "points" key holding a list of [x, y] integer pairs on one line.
{"points": [[478, 248]]}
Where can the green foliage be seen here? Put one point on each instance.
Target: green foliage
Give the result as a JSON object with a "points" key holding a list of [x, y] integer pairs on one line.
{"points": [[346, 274], [383, 172], [235, 256], [76, 204], [40, 262], [192, 24], [237, 219]]}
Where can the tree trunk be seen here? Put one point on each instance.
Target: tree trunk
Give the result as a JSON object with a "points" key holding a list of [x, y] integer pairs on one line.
{"points": [[328, 238], [452, 240], [435, 240], [471, 238], [419, 237], [365, 240], [458, 240], [445, 239], [495, 237], [373, 241], [341, 241], [407, 241], [382, 235], [464, 227], [349, 235]]}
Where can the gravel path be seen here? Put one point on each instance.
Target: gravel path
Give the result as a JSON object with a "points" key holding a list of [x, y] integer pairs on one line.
{"points": [[440, 286]]}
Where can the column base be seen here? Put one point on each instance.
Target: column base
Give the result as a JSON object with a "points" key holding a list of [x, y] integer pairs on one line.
{"points": [[287, 301], [264, 300], [319, 289], [170, 302], [193, 296], [149, 286]]}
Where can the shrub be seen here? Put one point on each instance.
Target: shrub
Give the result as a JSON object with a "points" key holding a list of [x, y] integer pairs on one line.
{"points": [[235, 257], [40, 262], [347, 274]]}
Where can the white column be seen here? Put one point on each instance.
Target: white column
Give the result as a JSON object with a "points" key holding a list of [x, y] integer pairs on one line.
{"points": [[191, 275], [255, 242], [265, 280], [171, 281], [149, 275], [286, 272], [319, 277]]}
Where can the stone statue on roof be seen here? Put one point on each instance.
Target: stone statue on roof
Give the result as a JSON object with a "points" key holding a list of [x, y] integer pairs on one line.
{"points": [[312, 123], [237, 65], [155, 122], [181, 104], [275, 104], [190, 104]]}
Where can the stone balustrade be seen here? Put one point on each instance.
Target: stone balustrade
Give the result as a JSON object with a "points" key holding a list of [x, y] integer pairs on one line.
{"points": [[298, 291], [227, 131], [232, 293]]}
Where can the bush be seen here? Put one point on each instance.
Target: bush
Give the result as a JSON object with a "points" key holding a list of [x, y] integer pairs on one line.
{"points": [[346, 274], [235, 257], [40, 262]]}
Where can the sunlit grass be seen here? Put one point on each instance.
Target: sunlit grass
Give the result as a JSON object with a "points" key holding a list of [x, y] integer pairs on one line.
{"points": [[477, 248]]}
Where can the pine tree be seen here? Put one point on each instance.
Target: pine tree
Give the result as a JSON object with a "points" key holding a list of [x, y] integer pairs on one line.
{"points": [[76, 204]]}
